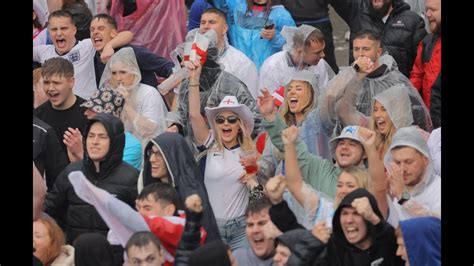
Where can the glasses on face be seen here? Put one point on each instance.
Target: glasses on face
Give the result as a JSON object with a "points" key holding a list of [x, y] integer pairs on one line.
{"points": [[151, 152], [232, 119]]}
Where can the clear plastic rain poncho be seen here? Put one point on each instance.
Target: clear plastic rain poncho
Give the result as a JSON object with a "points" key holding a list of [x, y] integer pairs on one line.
{"points": [[149, 116], [350, 100], [214, 85], [315, 133], [158, 25], [426, 195], [402, 102], [315, 129], [397, 103], [248, 25], [317, 207], [179, 51], [278, 69]]}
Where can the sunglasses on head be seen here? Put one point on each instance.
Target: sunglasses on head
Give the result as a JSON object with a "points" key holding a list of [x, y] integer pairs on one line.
{"points": [[232, 119]]}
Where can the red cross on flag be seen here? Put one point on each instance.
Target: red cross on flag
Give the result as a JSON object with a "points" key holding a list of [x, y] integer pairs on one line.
{"points": [[197, 48]]}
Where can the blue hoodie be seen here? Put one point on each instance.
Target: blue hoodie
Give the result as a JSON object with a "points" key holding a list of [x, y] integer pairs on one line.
{"points": [[422, 236]]}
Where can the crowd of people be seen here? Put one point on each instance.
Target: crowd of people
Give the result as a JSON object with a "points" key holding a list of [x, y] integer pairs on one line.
{"points": [[263, 151]]}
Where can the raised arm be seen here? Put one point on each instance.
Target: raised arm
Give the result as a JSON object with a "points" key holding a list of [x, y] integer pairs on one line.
{"points": [[191, 234], [272, 123], [73, 141], [332, 93], [199, 125], [293, 173], [376, 169], [339, 102], [312, 167], [122, 38], [280, 214]]}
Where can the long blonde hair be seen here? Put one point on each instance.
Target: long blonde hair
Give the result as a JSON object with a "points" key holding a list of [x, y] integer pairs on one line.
{"points": [[290, 117], [382, 141], [243, 136]]}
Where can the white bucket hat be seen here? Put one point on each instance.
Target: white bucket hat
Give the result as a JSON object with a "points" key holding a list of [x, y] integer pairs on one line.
{"points": [[349, 132], [230, 103]]}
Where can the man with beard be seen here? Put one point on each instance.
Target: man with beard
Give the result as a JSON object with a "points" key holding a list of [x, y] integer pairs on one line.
{"points": [[401, 29], [426, 71]]}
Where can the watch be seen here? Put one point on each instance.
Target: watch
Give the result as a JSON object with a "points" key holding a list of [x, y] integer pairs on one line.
{"points": [[405, 196]]}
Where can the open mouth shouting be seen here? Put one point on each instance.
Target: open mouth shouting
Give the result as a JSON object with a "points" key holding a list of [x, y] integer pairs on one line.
{"points": [[293, 104]]}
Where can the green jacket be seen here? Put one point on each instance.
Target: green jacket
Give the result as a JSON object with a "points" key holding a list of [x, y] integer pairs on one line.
{"points": [[320, 173]]}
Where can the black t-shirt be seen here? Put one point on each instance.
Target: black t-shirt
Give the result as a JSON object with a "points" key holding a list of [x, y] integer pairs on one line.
{"points": [[60, 120]]}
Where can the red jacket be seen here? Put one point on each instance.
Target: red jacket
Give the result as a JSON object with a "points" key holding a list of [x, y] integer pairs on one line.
{"points": [[424, 72], [169, 230]]}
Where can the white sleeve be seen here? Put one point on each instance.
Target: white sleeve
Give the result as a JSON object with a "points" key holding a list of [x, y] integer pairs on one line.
{"points": [[268, 78], [434, 144], [38, 52], [153, 107], [250, 78]]}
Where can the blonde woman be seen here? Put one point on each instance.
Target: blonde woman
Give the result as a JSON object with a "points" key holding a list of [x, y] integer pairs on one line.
{"points": [[393, 109], [144, 111], [300, 108], [229, 132], [397, 107], [227, 184]]}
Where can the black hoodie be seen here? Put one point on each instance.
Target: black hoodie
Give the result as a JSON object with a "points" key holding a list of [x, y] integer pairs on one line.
{"points": [[115, 176], [304, 246], [211, 254], [384, 245], [185, 175]]}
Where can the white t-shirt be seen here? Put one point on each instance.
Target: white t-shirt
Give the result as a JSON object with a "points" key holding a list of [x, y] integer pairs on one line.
{"points": [[228, 197], [148, 103], [239, 65], [82, 57], [275, 72]]}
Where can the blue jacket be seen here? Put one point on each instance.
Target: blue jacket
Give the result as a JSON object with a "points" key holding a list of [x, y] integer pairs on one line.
{"points": [[195, 12], [244, 33], [422, 236]]}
